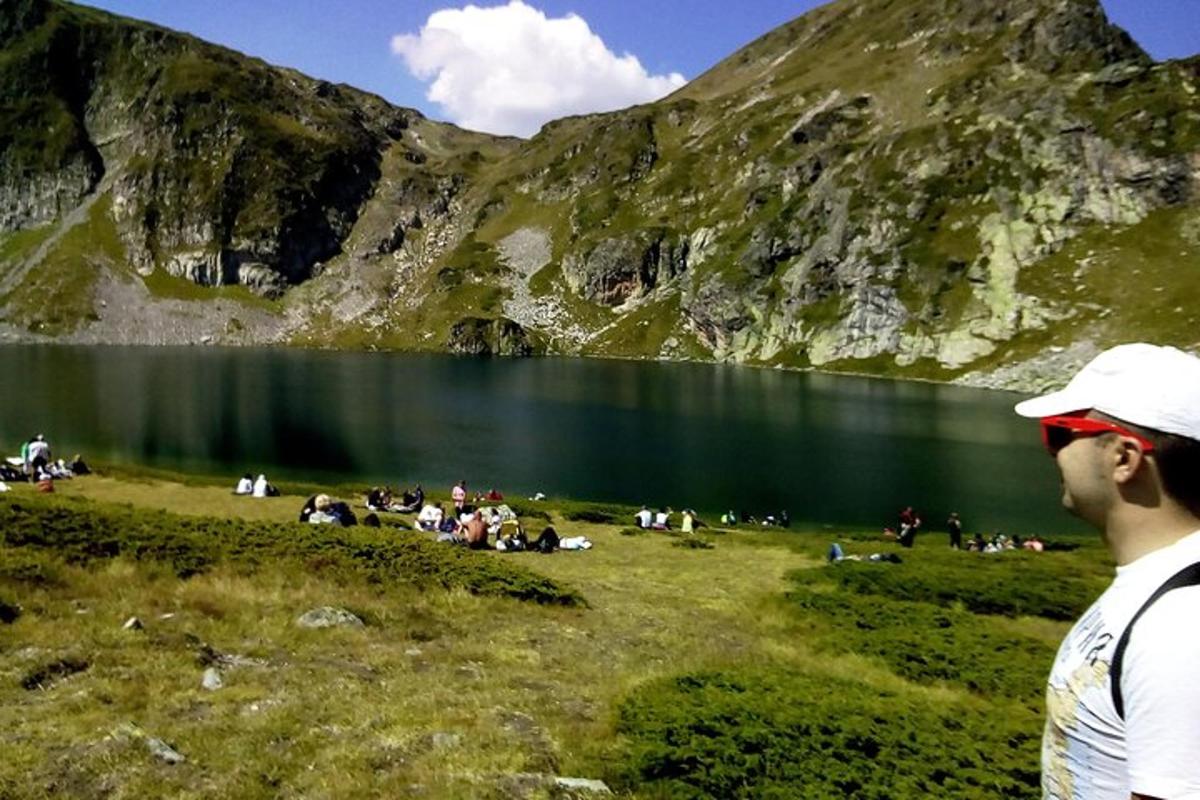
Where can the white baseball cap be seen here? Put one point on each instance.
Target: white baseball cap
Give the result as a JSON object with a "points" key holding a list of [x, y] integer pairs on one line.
{"points": [[1142, 384]]}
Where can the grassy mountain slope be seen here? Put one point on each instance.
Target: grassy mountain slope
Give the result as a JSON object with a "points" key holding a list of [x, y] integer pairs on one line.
{"points": [[942, 189]]}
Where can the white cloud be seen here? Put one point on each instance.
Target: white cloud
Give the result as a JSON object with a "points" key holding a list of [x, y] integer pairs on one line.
{"points": [[509, 69]]}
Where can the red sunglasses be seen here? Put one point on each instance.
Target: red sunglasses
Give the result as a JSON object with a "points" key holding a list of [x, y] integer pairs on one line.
{"points": [[1058, 432]]}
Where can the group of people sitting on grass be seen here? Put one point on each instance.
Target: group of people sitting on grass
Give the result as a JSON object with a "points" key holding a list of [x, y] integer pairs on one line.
{"points": [[37, 465], [910, 522], [382, 498], [661, 520], [255, 487], [1000, 543], [782, 519], [478, 527]]}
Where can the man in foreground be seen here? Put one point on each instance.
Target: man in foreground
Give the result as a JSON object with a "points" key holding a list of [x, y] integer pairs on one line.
{"points": [[1123, 701]]}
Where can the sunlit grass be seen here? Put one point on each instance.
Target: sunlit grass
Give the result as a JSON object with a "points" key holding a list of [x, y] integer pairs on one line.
{"points": [[444, 692]]}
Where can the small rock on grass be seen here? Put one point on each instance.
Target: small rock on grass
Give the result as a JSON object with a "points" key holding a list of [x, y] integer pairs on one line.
{"points": [[163, 751], [328, 617], [211, 680], [583, 785], [538, 784], [157, 747]]}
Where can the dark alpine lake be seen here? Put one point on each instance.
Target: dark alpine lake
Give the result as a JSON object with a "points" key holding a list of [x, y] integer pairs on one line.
{"points": [[831, 450]]}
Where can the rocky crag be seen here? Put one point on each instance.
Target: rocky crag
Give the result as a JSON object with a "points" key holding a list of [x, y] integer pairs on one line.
{"points": [[977, 190]]}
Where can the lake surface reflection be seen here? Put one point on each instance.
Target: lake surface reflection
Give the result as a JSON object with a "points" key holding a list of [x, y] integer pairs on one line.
{"points": [[836, 450]]}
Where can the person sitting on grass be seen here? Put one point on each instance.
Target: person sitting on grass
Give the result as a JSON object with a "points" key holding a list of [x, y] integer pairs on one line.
{"points": [[412, 501], [475, 531], [643, 518], [689, 521], [662, 520], [318, 513], [341, 513], [510, 536], [264, 489], [245, 486], [431, 517], [380, 499]]}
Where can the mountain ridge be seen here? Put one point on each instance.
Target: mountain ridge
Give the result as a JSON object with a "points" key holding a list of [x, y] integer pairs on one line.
{"points": [[878, 186]]}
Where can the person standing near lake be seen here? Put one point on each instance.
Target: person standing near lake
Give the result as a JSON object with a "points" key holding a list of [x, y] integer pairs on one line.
{"points": [[954, 526], [1123, 701], [909, 522], [37, 456]]}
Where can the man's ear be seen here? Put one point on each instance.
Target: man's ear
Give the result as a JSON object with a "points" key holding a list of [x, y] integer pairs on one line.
{"points": [[1128, 459]]}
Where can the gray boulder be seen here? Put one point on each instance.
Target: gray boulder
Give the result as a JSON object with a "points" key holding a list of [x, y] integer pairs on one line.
{"points": [[328, 617]]}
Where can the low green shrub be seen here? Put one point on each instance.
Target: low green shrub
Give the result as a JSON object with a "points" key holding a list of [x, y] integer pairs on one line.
{"points": [[1010, 584], [80, 532], [45, 675], [20, 567], [771, 733], [525, 511], [928, 643], [592, 515], [693, 543]]}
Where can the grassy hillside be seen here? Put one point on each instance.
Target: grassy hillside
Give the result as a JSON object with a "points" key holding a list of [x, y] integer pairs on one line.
{"points": [[739, 665]]}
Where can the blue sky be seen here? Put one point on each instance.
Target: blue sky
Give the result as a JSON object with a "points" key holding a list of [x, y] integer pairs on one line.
{"points": [[455, 66]]}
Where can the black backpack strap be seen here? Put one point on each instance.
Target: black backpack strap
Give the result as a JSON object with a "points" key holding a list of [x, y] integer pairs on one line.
{"points": [[1188, 576]]}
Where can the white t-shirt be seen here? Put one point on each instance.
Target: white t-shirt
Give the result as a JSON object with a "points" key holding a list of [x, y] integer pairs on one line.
{"points": [[643, 518], [38, 448], [1088, 752]]}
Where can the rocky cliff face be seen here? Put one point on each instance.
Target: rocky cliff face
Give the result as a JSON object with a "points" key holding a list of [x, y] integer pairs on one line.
{"points": [[946, 189]]}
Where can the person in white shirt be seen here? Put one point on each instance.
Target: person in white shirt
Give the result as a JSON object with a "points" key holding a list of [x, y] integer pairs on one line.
{"points": [[662, 520], [430, 518], [643, 517], [38, 456], [261, 487], [245, 485], [1123, 701]]}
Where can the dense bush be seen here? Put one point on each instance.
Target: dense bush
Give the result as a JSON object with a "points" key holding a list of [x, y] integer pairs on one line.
{"points": [[1010, 584], [525, 511], [771, 733], [927, 643], [594, 515], [80, 532]]}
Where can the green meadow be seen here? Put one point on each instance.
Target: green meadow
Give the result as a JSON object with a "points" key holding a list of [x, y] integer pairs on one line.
{"points": [[731, 664]]}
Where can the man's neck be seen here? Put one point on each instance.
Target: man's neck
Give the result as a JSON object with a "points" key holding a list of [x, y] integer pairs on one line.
{"points": [[1135, 531]]}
